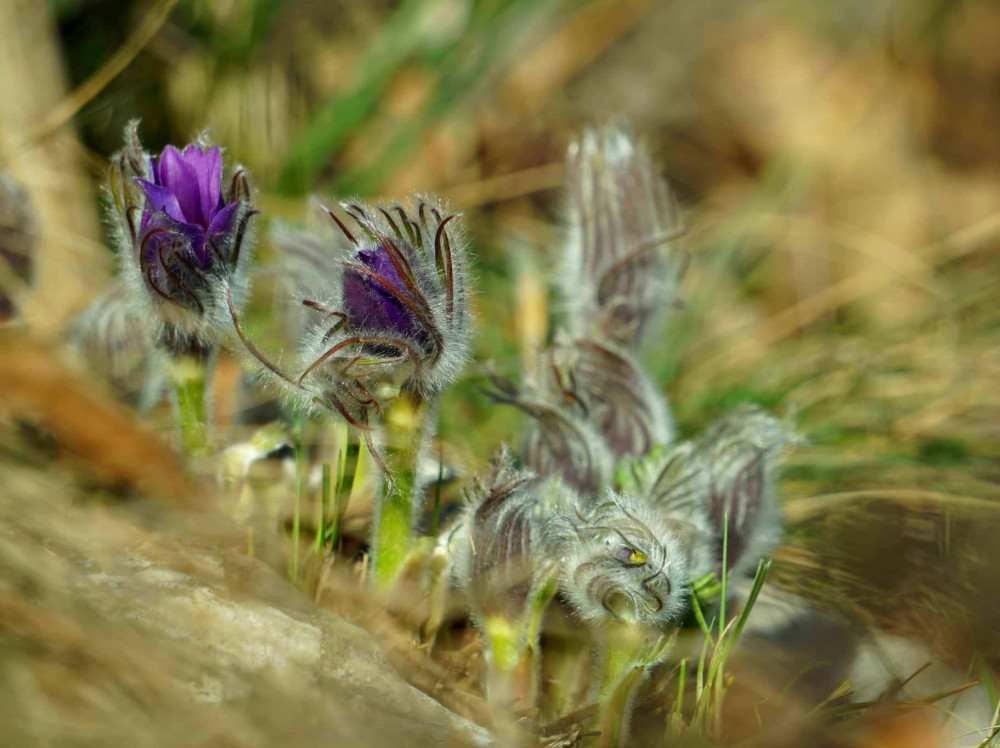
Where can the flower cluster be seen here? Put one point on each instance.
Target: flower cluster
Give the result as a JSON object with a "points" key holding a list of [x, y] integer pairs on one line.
{"points": [[592, 403], [641, 517]]}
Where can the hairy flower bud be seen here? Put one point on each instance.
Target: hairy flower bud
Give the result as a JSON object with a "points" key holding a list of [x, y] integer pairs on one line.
{"points": [[622, 560], [114, 336], [558, 442], [610, 391], [592, 405], [491, 546], [614, 277], [397, 314], [723, 483], [183, 236]]}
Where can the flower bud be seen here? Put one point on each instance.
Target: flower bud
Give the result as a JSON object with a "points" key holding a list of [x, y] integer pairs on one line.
{"points": [[614, 277], [723, 484], [491, 547], [592, 406], [611, 392], [742, 451], [183, 235], [559, 443], [397, 315], [621, 560]]}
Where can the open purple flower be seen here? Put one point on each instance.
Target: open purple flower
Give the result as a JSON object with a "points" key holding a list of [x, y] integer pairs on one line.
{"points": [[186, 232], [187, 189]]}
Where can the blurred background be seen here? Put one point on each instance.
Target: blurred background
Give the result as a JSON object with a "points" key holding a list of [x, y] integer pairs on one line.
{"points": [[838, 163]]}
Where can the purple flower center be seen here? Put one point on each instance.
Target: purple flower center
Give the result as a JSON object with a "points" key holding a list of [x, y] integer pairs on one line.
{"points": [[185, 197], [370, 305]]}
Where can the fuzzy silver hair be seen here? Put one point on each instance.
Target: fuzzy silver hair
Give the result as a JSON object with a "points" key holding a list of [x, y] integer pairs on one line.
{"points": [[348, 361], [621, 560], [199, 305], [609, 390], [723, 485], [558, 442], [614, 277], [112, 335], [491, 546], [591, 405]]}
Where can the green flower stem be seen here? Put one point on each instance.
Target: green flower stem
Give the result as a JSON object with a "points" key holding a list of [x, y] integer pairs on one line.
{"points": [[513, 646], [622, 666], [407, 423], [189, 375], [189, 366]]}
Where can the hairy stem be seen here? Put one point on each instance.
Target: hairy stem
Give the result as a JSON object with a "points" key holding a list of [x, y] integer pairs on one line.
{"points": [[621, 666], [189, 367], [407, 422]]}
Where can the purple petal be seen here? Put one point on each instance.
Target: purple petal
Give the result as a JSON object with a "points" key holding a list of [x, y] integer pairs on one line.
{"points": [[220, 222], [223, 223], [161, 200], [178, 176], [369, 304], [176, 237], [207, 166]]}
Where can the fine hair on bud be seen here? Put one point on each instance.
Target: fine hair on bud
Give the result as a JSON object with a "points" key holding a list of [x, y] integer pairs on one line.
{"points": [[559, 440], [389, 313], [616, 276], [622, 561], [182, 224], [492, 544], [723, 483], [112, 334], [609, 390]]}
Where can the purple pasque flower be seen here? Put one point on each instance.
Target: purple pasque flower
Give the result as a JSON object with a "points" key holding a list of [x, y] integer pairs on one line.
{"points": [[186, 188], [397, 316], [186, 234]]}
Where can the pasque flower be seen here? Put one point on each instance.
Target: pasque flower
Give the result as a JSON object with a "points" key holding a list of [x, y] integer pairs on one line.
{"points": [[591, 401], [723, 485], [392, 330], [621, 560], [592, 405], [184, 234], [615, 276], [491, 546], [395, 315]]}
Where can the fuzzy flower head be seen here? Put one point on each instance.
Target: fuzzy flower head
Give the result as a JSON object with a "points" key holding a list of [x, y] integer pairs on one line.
{"points": [[398, 315], [615, 276], [591, 405], [605, 387], [492, 545], [622, 562], [558, 443], [723, 484], [184, 235]]}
